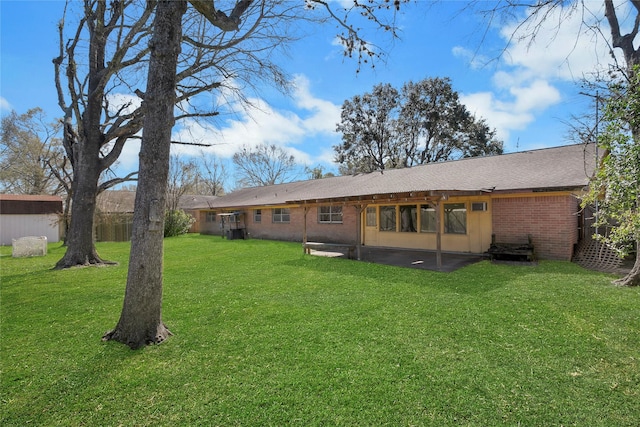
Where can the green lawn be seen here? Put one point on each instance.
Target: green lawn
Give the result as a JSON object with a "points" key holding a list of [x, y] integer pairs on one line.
{"points": [[265, 335]]}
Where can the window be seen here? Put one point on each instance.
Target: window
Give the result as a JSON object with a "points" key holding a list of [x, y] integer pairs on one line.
{"points": [[281, 215], [387, 218], [330, 214], [455, 218], [408, 218], [211, 217], [257, 215], [371, 217], [427, 219]]}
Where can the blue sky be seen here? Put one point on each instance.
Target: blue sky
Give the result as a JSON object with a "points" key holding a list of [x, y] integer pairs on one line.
{"points": [[528, 93]]}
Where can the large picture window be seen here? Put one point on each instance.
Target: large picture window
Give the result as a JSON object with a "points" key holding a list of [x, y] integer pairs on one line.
{"points": [[281, 215], [330, 214], [455, 218], [427, 219], [409, 218], [387, 218]]}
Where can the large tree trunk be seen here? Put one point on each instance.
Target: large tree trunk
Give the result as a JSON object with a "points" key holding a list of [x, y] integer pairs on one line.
{"points": [[84, 146], [79, 240], [141, 318]]}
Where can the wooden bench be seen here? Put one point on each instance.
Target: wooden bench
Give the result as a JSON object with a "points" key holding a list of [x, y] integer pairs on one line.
{"points": [[347, 248], [518, 251]]}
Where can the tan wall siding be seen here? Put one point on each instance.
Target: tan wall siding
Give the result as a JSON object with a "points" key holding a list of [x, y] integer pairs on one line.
{"points": [[476, 240], [552, 221]]}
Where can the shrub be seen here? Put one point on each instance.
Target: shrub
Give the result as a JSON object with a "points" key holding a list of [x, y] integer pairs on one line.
{"points": [[177, 222]]}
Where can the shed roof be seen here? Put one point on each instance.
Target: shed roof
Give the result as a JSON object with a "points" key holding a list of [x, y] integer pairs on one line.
{"points": [[31, 197], [563, 167], [20, 204]]}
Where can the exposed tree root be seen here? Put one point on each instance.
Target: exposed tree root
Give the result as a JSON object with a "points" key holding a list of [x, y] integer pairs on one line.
{"points": [[136, 340], [628, 280], [86, 261], [633, 278]]}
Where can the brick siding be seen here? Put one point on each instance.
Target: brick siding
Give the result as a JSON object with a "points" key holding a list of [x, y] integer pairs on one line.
{"points": [[292, 231], [552, 221]]}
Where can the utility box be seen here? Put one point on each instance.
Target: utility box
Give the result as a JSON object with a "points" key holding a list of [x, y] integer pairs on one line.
{"points": [[29, 246]]}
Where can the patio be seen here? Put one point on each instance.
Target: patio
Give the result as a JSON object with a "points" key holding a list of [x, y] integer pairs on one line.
{"points": [[421, 259]]}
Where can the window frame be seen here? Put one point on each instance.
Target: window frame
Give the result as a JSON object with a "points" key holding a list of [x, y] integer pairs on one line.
{"points": [[333, 216], [382, 212], [371, 216], [210, 217], [279, 217], [427, 211], [412, 226], [257, 215], [449, 214]]}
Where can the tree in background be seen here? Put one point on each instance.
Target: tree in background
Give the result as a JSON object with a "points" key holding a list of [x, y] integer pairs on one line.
{"points": [[31, 157], [182, 179], [317, 172], [434, 126], [212, 176], [140, 321], [102, 101], [424, 122], [368, 131], [183, 175], [33, 160], [616, 184], [264, 165], [95, 131]]}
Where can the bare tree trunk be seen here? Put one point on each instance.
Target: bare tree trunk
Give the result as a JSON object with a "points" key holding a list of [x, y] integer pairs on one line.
{"points": [[141, 318], [79, 240], [83, 148]]}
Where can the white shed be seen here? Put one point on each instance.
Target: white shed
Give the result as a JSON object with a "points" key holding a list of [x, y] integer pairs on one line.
{"points": [[28, 215]]}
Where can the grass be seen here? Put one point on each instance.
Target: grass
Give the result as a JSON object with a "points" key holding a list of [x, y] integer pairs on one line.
{"points": [[267, 336]]}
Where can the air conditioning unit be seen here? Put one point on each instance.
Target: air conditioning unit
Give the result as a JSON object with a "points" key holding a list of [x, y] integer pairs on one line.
{"points": [[479, 206]]}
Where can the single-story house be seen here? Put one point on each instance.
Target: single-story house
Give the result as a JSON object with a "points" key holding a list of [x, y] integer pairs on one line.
{"points": [[199, 207], [29, 215], [453, 206], [114, 214]]}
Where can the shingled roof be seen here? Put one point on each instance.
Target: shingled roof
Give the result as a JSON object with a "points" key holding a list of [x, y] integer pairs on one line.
{"points": [[566, 167], [123, 201]]}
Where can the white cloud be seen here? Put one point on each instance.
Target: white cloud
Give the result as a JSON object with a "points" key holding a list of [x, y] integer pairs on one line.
{"points": [[4, 104], [259, 123], [516, 113], [531, 70], [128, 160], [563, 49], [499, 115], [324, 114], [474, 59], [539, 95], [125, 103]]}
